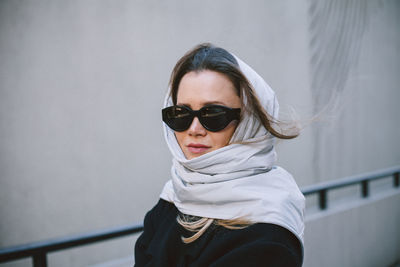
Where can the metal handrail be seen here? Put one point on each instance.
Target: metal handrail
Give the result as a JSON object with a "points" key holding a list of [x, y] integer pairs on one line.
{"points": [[39, 250], [363, 179]]}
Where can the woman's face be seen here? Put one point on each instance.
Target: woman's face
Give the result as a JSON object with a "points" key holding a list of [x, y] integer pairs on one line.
{"points": [[196, 90]]}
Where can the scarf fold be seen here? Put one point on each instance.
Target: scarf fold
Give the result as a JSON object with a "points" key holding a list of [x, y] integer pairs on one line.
{"points": [[238, 180]]}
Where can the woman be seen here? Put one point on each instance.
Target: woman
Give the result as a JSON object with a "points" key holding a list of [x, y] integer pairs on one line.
{"points": [[226, 204]]}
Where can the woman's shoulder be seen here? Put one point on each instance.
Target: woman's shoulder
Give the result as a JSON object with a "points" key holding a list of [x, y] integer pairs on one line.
{"points": [[260, 233], [256, 244], [162, 207], [162, 211]]}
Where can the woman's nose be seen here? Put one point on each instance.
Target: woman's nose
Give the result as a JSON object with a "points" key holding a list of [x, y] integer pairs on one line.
{"points": [[196, 128]]}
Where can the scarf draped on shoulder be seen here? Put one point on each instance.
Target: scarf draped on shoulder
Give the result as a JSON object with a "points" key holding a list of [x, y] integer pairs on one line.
{"points": [[238, 180]]}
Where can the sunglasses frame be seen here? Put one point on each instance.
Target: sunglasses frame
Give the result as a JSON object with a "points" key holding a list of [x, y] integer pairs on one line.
{"points": [[230, 113]]}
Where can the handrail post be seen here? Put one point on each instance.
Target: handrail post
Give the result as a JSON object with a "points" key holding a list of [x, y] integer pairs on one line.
{"points": [[40, 259], [322, 199], [364, 188], [396, 179]]}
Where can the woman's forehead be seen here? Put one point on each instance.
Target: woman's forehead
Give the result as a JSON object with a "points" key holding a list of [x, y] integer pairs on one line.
{"points": [[206, 87]]}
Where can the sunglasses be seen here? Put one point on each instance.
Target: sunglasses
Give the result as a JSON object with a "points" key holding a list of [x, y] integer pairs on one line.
{"points": [[214, 118]]}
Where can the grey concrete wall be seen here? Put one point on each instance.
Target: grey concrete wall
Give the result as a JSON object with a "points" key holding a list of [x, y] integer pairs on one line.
{"points": [[362, 135], [82, 84], [365, 233]]}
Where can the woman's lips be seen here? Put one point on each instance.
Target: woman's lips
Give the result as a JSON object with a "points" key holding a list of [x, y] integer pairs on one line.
{"points": [[197, 148]]}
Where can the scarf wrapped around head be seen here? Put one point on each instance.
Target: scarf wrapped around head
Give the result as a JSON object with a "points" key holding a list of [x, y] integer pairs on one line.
{"points": [[238, 180]]}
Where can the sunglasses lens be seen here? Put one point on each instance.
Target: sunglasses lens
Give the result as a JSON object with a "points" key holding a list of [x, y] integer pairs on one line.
{"points": [[177, 118], [214, 118]]}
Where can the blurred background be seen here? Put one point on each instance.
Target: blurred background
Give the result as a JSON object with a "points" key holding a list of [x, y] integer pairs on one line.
{"points": [[82, 85]]}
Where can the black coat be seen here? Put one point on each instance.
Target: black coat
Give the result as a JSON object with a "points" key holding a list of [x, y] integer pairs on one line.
{"points": [[260, 244]]}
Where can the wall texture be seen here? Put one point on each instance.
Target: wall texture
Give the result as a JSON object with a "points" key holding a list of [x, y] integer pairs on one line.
{"points": [[364, 233], [82, 84]]}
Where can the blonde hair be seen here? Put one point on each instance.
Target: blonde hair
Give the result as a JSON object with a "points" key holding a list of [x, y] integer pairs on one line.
{"points": [[199, 225]]}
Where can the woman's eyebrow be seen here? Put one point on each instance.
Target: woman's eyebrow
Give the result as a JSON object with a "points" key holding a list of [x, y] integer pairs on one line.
{"points": [[213, 103], [183, 104], [203, 103]]}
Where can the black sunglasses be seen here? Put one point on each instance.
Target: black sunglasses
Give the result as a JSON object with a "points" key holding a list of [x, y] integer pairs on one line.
{"points": [[214, 118]]}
